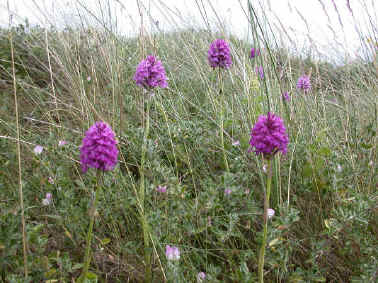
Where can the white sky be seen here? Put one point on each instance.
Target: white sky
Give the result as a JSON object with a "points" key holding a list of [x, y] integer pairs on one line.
{"points": [[173, 14]]}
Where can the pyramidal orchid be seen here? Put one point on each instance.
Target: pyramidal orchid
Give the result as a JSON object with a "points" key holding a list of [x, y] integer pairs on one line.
{"points": [[304, 83], [219, 54], [254, 52], [268, 137], [98, 151], [150, 73]]}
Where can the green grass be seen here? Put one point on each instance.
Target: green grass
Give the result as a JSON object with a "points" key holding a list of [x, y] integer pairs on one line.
{"points": [[324, 191]]}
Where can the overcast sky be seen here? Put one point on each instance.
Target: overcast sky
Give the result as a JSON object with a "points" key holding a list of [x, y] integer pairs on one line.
{"points": [[301, 19]]}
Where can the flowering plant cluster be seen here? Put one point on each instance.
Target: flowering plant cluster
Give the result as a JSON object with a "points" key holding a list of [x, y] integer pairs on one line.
{"points": [[99, 148]]}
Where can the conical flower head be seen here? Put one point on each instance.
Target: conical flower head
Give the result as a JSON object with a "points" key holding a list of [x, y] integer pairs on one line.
{"points": [[254, 52], [150, 73], [99, 149], [219, 54], [269, 136], [304, 83]]}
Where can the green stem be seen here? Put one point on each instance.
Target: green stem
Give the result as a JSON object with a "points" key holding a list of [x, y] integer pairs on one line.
{"points": [[222, 122], [147, 255], [266, 206], [87, 258]]}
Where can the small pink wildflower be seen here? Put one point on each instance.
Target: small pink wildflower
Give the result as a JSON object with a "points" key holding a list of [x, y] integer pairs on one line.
{"points": [[201, 276], [227, 191], [172, 253], [62, 143], [47, 201], [161, 189], [339, 169], [236, 143], [271, 213], [38, 149], [51, 180], [264, 168]]}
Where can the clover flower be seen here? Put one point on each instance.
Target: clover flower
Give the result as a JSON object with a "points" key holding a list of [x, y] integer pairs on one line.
{"points": [[172, 253], [304, 83], [201, 276], [235, 143], [219, 54], [47, 201], [254, 52], [38, 149], [62, 143], [264, 168], [51, 180], [150, 73], [99, 149], [269, 135], [271, 213], [339, 169], [227, 191], [161, 189]]}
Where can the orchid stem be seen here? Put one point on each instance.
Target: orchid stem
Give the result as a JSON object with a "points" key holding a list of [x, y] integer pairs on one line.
{"points": [[266, 206], [222, 121], [87, 258], [147, 253]]}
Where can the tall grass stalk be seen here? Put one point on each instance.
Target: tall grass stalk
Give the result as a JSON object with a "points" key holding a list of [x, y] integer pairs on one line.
{"points": [[20, 192], [51, 76]]}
